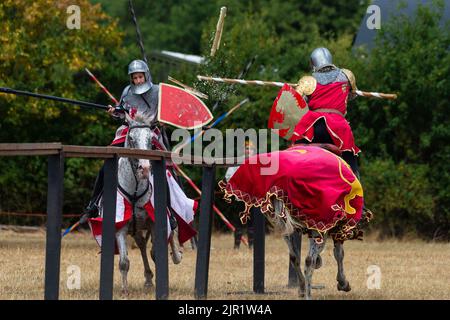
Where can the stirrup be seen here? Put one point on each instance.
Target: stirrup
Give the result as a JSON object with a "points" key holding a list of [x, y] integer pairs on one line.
{"points": [[91, 211]]}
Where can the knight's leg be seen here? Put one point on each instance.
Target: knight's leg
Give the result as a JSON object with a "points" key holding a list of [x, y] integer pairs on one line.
{"points": [[321, 134], [98, 186], [343, 284], [352, 161], [91, 210], [124, 263], [311, 260]]}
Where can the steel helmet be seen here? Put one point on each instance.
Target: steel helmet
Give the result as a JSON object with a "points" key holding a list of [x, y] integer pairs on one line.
{"points": [[320, 58], [140, 66]]}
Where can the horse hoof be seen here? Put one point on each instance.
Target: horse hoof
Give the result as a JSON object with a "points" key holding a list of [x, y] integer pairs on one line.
{"points": [[125, 293], [345, 287], [177, 258], [148, 286]]}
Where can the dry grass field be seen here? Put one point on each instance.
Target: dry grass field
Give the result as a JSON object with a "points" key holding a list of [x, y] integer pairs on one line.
{"points": [[409, 270]]}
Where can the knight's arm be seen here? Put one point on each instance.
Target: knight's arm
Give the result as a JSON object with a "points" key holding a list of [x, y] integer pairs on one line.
{"points": [[352, 80], [306, 86], [120, 116]]}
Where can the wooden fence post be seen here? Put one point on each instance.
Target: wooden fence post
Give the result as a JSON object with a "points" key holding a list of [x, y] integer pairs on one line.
{"points": [[259, 251], [108, 229], [54, 218], [204, 237], [160, 242]]}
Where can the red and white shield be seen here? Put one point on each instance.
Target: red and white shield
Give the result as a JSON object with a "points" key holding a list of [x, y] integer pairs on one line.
{"points": [[287, 110], [181, 109]]}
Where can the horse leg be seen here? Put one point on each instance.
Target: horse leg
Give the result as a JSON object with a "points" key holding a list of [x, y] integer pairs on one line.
{"points": [[142, 244], [343, 284], [294, 255], [194, 239], [124, 263], [177, 255], [310, 263], [151, 234], [294, 260]]}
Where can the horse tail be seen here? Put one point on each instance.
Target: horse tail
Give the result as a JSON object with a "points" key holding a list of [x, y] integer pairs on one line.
{"points": [[282, 219]]}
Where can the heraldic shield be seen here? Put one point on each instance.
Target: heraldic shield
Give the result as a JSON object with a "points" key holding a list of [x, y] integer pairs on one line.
{"points": [[287, 110], [181, 109]]}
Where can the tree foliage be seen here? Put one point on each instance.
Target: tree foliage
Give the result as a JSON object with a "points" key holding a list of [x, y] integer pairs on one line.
{"points": [[405, 161], [39, 53], [412, 59]]}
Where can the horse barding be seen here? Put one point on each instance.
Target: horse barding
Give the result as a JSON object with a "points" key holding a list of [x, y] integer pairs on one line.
{"points": [[135, 202], [314, 191]]}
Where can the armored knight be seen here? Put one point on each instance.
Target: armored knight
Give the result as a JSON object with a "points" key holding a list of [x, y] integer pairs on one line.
{"points": [[141, 95], [327, 92]]}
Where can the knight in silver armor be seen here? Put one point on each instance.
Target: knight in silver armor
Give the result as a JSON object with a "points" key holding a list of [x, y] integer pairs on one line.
{"points": [[141, 95], [325, 72], [139, 66], [321, 58]]}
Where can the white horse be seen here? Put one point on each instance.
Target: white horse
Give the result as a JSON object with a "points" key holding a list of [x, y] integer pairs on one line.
{"points": [[284, 222], [133, 181]]}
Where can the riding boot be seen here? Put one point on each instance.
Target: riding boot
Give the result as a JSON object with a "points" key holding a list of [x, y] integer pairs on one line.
{"points": [[92, 210]]}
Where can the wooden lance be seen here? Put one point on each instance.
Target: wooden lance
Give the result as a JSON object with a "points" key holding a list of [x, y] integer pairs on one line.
{"points": [[390, 96]]}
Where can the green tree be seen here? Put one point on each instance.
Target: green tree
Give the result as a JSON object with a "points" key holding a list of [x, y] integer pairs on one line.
{"points": [[39, 53], [411, 58]]}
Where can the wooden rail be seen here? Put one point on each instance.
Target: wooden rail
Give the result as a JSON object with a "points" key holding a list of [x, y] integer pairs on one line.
{"points": [[57, 152]]}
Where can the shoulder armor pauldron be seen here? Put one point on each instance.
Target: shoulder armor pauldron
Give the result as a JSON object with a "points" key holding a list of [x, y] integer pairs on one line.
{"points": [[351, 78], [306, 85]]}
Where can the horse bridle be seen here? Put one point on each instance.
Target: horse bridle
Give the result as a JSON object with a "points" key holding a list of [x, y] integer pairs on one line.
{"points": [[134, 167]]}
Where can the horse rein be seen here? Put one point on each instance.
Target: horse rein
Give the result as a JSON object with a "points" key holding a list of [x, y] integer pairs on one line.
{"points": [[134, 167], [133, 163]]}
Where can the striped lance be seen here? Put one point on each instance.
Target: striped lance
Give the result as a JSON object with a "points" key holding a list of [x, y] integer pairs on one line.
{"points": [[280, 84]]}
